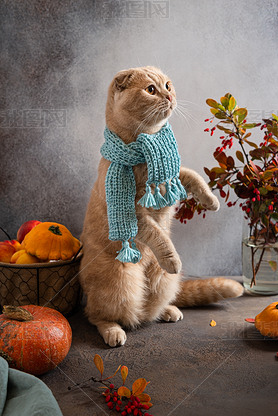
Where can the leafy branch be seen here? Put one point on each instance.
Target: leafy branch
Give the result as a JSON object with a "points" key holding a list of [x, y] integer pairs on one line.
{"points": [[121, 399]]}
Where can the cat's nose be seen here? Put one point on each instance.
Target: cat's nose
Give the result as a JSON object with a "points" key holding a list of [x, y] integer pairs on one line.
{"points": [[169, 97]]}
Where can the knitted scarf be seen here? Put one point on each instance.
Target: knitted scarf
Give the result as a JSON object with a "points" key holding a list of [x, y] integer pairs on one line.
{"points": [[160, 152]]}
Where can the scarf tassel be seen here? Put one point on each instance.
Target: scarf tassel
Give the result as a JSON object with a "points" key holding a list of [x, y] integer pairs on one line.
{"points": [[178, 189], [160, 202], [147, 200], [129, 254], [170, 197]]}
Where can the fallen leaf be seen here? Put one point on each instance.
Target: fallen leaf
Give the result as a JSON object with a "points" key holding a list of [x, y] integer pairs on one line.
{"points": [[212, 323], [250, 320], [99, 363]]}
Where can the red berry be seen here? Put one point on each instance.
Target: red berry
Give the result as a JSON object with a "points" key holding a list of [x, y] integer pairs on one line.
{"points": [[115, 399], [206, 130], [248, 210], [118, 408], [270, 207], [119, 402], [107, 391], [129, 410], [123, 413], [253, 199], [111, 386], [146, 407], [108, 398], [135, 412], [207, 119], [258, 197]]}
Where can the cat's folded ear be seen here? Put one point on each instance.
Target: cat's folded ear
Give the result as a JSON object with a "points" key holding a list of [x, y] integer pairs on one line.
{"points": [[123, 79]]}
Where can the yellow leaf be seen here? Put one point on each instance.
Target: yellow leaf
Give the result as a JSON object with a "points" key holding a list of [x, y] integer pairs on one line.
{"points": [[124, 391], [124, 373], [144, 398], [99, 363], [139, 386], [212, 323]]}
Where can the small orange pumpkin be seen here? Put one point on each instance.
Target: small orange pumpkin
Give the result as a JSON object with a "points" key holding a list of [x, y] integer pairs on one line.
{"points": [[51, 241], [267, 321], [34, 339]]}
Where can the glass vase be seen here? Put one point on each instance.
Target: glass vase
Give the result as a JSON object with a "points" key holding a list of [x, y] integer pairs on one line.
{"points": [[260, 267]]}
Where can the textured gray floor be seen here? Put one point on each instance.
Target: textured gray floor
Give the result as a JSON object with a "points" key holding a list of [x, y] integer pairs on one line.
{"points": [[194, 369]]}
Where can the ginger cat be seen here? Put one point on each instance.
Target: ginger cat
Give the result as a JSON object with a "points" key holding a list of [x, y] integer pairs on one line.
{"points": [[124, 295]]}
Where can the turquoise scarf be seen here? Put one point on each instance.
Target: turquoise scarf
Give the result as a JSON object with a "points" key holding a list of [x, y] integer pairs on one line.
{"points": [[160, 152]]}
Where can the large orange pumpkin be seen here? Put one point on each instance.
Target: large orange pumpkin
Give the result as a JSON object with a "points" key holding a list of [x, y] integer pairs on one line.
{"points": [[34, 339]]}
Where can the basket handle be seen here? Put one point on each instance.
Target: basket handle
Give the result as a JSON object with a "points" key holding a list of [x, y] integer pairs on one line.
{"points": [[5, 232]]}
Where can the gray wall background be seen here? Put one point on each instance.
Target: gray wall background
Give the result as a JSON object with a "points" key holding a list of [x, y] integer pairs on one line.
{"points": [[57, 59]]}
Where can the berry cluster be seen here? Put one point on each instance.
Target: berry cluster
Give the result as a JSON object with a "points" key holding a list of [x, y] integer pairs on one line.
{"points": [[187, 208], [132, 407]]}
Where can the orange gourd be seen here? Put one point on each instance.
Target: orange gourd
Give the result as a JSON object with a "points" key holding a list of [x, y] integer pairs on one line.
{"points": [[267, 321], [51, 241], [34, 339]]}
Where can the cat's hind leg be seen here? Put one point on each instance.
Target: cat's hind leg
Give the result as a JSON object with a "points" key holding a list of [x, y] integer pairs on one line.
{"points": [[171, 314], [162, 289], [115, 295]]}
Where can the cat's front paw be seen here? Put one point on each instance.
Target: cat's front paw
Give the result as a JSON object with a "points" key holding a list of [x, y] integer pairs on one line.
{"points": [[114, 337], [172, 264], [210, 202]]}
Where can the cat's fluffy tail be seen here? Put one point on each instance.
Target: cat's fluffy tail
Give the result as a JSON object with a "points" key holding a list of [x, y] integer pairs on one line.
{"points": [[205, 291]]}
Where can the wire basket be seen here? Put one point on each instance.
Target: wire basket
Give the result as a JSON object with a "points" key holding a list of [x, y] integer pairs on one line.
{"points": [[53, 284]]}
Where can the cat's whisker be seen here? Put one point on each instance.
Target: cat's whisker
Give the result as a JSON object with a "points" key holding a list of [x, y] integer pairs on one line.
{"points": [[179, 113], [187, 113], [188, 102]]}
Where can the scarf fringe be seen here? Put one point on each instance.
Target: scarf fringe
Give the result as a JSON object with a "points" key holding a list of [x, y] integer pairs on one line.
{"points": [[170, 196], [129, 254], [147, 199], [174, 191], [178, 189], [160, 202]]}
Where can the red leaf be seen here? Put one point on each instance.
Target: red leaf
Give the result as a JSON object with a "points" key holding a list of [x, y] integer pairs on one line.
{"points": [[250, 320]]}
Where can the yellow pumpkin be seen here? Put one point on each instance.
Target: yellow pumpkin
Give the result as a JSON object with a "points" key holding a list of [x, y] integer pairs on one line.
{"points": [[22, 257], [267, 321], [51, 241]]}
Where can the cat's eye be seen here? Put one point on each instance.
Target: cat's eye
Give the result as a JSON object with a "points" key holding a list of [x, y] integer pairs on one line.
{"points": [[150, 89], [167, 86]]}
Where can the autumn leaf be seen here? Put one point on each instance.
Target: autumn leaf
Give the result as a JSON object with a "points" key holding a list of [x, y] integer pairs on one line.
{"points": [[99, 363], [139, 386], [144, 398], [124, 391], [239, 155], [273, 265], [124, 373], [212, 103], [250, 320]]}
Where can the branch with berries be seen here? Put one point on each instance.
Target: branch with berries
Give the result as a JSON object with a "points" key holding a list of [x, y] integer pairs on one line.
{"points": [[122, 399], [254, 180]]}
